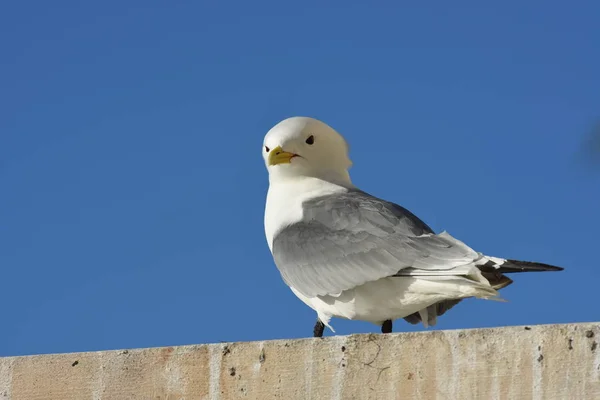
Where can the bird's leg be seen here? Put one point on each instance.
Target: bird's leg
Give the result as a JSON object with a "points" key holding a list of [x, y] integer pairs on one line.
{"points": [[319, 328], [386, 327]]}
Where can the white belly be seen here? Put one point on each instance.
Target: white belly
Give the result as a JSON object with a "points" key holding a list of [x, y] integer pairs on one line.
{"points": [[388, 298]]}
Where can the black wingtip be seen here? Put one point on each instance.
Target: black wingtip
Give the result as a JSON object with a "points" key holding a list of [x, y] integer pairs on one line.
{"points": [[526, 266]]}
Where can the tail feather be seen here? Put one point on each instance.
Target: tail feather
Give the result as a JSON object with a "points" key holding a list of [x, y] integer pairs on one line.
{"points": [[526, 266], [511, 266], [492, 270]]}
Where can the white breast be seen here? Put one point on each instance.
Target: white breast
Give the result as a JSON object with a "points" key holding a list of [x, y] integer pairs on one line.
{"points": [[285, 198]]}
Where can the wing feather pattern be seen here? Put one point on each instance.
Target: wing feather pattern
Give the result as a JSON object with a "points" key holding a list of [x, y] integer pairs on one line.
{"points": [[347, 239]]}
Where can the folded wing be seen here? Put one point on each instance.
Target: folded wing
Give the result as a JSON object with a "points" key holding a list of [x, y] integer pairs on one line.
{"points": [[347, 239]]}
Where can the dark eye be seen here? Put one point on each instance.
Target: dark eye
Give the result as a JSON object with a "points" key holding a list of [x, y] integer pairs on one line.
{"points": [[310, 139], [267, 149]]}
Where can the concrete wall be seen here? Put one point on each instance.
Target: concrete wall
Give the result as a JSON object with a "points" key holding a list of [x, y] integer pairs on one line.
{"points": [[538, 362]]}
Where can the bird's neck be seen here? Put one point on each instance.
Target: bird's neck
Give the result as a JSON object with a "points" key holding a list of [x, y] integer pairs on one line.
{"points": [[333, 177]]}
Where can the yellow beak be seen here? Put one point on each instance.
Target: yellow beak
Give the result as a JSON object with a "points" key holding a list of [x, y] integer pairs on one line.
{"points": [[278, 156]]}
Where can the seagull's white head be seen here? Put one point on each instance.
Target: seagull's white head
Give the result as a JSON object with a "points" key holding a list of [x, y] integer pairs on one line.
{"points": [[306, 147]]}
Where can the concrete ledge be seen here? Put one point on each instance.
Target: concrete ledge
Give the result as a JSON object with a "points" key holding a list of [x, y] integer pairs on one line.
{"points": [[538, 362]]}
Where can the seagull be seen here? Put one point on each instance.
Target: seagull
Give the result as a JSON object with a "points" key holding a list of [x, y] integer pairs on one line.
{"points": [[348, 254]]}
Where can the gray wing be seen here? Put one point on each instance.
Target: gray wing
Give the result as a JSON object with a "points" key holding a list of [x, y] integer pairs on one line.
{"points": [[348, 239]]}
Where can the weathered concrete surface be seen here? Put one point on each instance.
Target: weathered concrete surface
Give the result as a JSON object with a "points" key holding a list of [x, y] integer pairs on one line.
{"points": [[541, 362]]}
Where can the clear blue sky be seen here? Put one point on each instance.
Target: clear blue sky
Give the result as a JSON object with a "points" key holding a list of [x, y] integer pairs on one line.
{"points": [[132, 185]]}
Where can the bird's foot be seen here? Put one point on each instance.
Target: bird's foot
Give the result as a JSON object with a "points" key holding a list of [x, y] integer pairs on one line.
{"points": [[386, 327], [318, 329]]}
